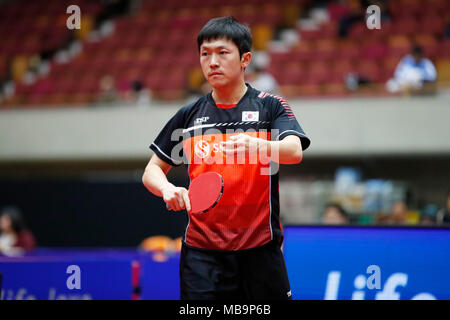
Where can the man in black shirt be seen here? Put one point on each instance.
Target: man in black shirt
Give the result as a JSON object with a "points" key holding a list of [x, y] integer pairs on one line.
{"points": [[233, 250]]}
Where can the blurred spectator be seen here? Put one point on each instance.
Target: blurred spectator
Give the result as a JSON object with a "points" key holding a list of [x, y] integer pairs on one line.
{"points": [[259, 78], [197, 86], [447, 29], [195, 82], [157, 243], [138, 95], [335, 214], [339, 9], [415, 74], [264, 81], [443, 215], [399, 213], [354, 81], [15, 238], [109, 93], [428, 216], [161, 246], [206, 88], [350, 12], [112, 9]]}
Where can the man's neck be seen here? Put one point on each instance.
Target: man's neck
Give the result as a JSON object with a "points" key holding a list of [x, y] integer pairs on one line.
{"points": [[229, 95], [8, 232]]}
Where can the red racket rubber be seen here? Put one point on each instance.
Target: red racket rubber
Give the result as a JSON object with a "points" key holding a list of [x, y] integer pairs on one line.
{"points": [[205, 192]]}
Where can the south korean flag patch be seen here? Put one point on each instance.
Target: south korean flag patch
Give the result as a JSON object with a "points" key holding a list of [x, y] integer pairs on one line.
{"points": [[250, 115]]}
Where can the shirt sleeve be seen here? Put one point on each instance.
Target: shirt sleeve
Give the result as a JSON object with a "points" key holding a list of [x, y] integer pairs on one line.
{"points": [[400, 69], [25, 240], [285, 122], [168, 143], [430, 73]]}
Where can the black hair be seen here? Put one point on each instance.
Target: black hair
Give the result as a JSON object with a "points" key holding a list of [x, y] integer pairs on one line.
{"points": [[136, 85], [17, 222], [417, 50], [228, 28]]}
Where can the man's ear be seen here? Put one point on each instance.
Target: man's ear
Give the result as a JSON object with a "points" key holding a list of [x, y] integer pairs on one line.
{"points": [[246, 59]]}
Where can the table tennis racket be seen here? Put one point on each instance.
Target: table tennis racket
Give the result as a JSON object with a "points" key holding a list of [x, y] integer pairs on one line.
{"points": [[205, 192]]}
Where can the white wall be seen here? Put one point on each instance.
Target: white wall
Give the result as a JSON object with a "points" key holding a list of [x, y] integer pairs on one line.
{"points": [[336, 127]]}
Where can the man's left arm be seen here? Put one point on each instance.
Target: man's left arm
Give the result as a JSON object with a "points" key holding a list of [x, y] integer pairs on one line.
{"points": [[430, 73], [287, 141], [285, 151]]}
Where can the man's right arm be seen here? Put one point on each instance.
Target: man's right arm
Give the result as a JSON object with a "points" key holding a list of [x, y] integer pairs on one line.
{"points": [[155, 180]]}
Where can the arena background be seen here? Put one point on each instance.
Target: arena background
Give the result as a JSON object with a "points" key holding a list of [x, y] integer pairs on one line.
{"points": [[79, 109]]}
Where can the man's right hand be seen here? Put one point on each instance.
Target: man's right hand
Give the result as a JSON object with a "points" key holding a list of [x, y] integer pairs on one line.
{"points": [[155, 180], [176, 198]]}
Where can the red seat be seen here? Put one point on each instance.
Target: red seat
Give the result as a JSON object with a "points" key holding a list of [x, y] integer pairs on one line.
{"points": [[278, 58], [334, 89], [325, 49], [304, 50], [406, 8], [444, 50], [399, 45], [151, 80], [340, 69], [291, 73], [358, 31], [370, 70], [348, 49], [438, 5], [317, 73], [374, 50], [87, 84], [429, 44], [406, 26], [432, 24], [306, 35], [310, 89]]}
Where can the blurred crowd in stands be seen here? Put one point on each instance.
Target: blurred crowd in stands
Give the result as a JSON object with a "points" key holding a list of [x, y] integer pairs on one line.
{"points": [[399, 215], [15, 237], [134, 52]]}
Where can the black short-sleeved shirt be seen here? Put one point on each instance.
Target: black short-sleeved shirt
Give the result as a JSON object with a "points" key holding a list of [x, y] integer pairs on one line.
{"points": [[248, 213]]}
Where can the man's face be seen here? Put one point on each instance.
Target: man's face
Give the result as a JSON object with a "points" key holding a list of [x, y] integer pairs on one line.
{"points": [[221, 63], [333, 216], [5, 223]]}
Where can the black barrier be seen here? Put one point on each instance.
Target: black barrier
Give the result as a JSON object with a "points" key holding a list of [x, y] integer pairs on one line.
{"points": [[79, 213], [198, 310]]}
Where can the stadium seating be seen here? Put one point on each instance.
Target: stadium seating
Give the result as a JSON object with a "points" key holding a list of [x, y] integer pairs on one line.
{"points": [[157, 46]]}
